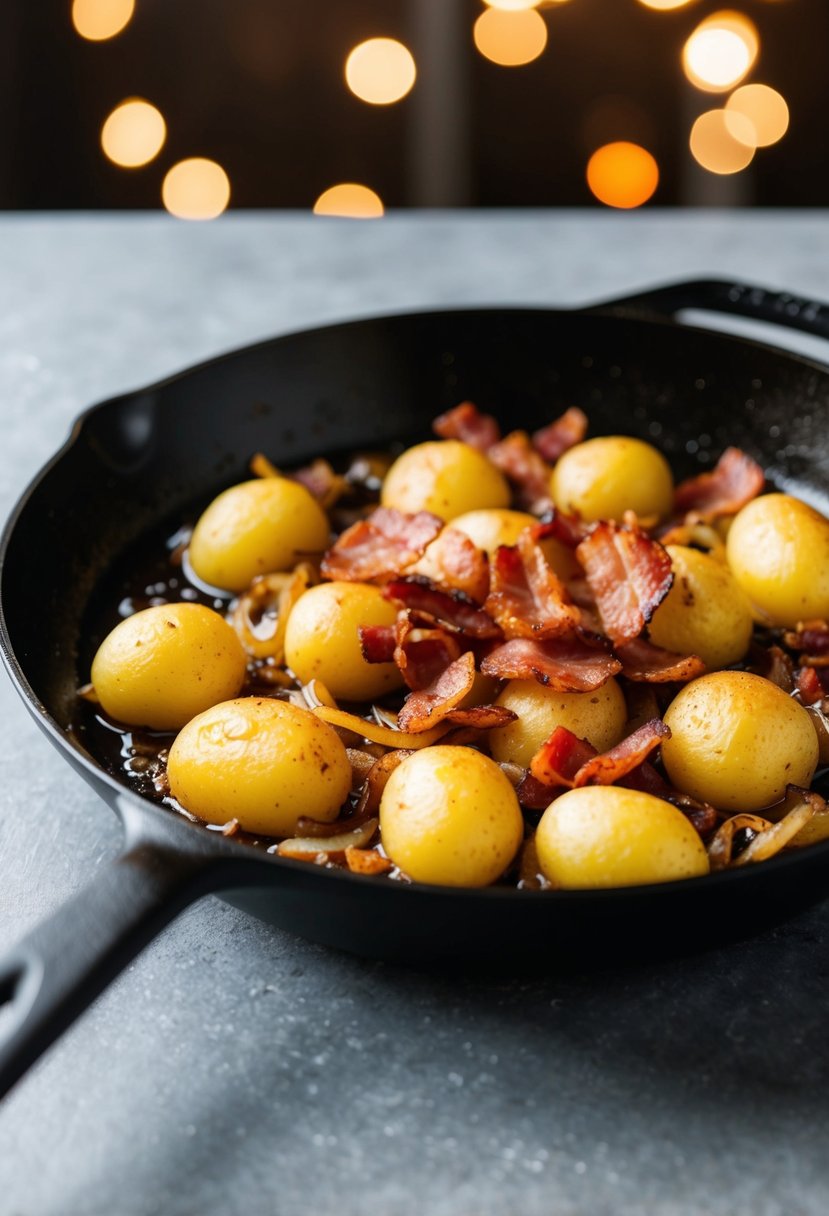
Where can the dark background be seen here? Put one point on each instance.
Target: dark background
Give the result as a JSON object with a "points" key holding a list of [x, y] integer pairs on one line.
{"points": [[258, 86]]}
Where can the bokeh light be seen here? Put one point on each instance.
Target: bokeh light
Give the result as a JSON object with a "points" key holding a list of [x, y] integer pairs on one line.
{"points": [[133, 133], [510, 38], [512, 6], [720, 51], [622, 175], [380, 71], [351, 200], [196, 189], [714, 146], [97, 20], [764, 108], [664, 6]]}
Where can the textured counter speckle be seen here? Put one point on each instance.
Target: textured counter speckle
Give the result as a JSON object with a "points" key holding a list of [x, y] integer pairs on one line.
{"points": [[233, 1068]]}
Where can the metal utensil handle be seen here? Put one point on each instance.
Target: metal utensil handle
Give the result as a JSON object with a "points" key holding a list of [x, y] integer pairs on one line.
{"points": [[55, 972], [719, 295]]}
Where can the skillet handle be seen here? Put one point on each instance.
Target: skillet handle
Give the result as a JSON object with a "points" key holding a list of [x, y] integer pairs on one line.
{"points": [[55, 972], [719, 295]]}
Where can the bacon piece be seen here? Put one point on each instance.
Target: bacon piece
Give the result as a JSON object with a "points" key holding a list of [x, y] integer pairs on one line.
{"points": [[535, 795], [773, 664], [629, 575], [620, 760], [377, 643], [467, 423], [482, 717], [320, 480], [642, 661], [809, 686], [460, 564], [554, 440], [811, 640], [381, 546], [526, 598], [647, 780], [702, 815], [561, 758], [453, 610], [733, 482], [565, 664], [568, 529], [516, 457], [423, 654], [427, 707]]}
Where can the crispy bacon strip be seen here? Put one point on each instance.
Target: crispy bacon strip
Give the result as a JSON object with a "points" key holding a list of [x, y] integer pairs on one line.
{"points": [[460, 564], [320, 479], [482, 717], [561, 758], [568, 529], [526, 598], [620, 760], [377, 642], [535, 795], [526, 468], [733, 482], [452, 610], [423, 654], [811, 640], [427, 707], [629, 575], [809, 686], [554, 440], [642, 661], [381, 546], [467, 423], [565, 664]]}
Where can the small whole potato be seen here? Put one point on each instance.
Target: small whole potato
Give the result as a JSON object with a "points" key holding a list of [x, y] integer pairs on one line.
{"points": [[449, 815], [160, 667], [256, 527], [446, 477], [706, 612], [496, 526], [607, 836], [604, 477], [598, 716], [778, 549], [261, 761], [737, 741], [322, 640]]}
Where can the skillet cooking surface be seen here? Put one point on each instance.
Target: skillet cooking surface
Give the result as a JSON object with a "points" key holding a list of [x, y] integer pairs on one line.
{"points": [[147, 456]]}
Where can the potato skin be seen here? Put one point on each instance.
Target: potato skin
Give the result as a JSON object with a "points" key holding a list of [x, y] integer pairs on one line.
{"points": [[161, 666], [778, 549], [737, 741], [261, 761], [322, 641], [607, 836], [446, 477], [604, 477], [706, 612], [256, 527], [449, 815], [598, 716]]}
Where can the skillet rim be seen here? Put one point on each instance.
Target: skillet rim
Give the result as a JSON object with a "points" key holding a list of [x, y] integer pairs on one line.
{"points": [[226, 847]]}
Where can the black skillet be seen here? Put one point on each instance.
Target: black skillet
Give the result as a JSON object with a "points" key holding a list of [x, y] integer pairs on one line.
{"points": [[145, 457]]}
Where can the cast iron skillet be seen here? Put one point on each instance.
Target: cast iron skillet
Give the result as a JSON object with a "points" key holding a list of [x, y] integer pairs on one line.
{"points": [[136, 460]]}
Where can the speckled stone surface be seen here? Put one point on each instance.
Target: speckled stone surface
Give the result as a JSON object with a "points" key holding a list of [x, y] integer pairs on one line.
{"points": [[234, 1069]]}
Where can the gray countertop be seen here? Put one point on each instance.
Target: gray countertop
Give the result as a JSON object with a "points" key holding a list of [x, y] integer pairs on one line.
{"points": [[233, 1068]]}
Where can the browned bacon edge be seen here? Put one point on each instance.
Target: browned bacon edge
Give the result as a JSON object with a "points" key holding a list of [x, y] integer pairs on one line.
{"points": [[629, 575], [733, 482], [565, 664], [467, 423], [645, 663], [554, 440]]}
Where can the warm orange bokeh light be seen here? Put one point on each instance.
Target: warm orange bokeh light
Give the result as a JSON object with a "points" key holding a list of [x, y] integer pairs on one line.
{"points": [[714, 147], [512, 6], [664, 6], [133, 134], [380, 71], [720, 51], [97, 20], [510, 39], [196, 189], [349, 199], [764, 108], [622, 175]]}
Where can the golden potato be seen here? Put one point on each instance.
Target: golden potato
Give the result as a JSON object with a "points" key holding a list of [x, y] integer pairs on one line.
{"points": [[607, 836], [261, 761], [257, 527], [322, 641], [706, 612], [495, 526], [598, 716], [160, 667], [449, 815], [778, 549], [446, 477], [604, 477], [737, 741]]}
